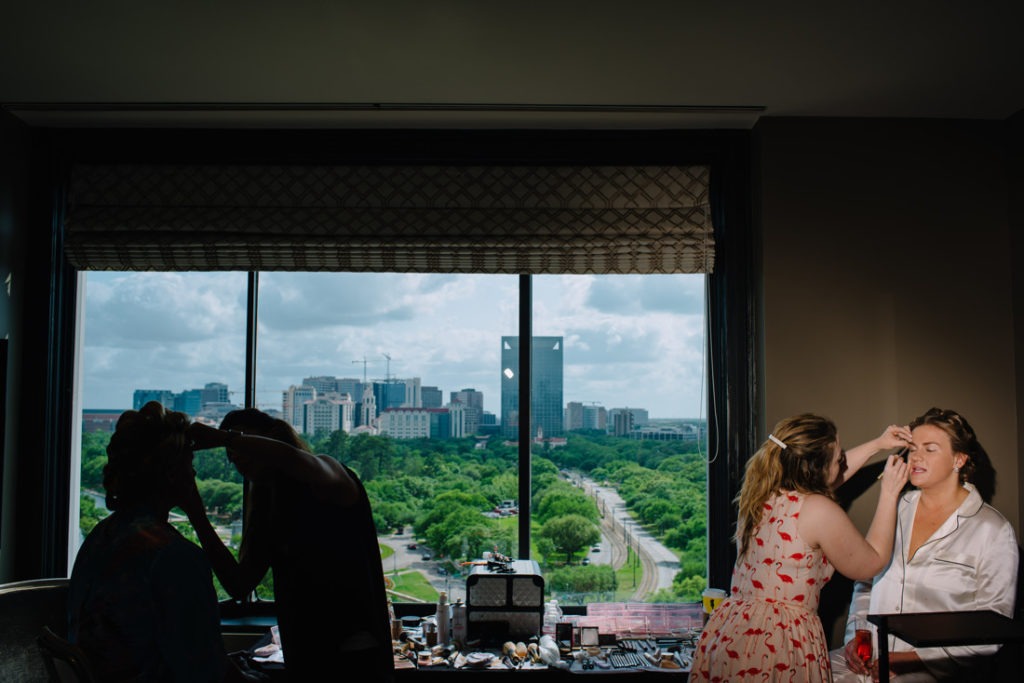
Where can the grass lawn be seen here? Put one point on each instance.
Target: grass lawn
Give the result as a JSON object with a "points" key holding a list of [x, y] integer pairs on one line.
{"points": [[625, 577], [386, 551], [413, 583]]}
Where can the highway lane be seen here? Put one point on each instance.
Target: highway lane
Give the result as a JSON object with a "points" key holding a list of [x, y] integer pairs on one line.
{"points": [[659, 563]]}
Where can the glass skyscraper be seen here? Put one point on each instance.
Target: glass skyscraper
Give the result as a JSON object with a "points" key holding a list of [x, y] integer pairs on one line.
{"points": [[545, 387]]}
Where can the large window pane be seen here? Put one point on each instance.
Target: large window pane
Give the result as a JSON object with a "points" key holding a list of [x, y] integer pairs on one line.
{"points": [[413, 381], [619, 479], [397, 376], [176, 338]]}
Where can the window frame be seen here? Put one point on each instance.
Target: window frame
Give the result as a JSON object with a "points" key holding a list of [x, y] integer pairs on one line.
{"points": [[733, 314]]}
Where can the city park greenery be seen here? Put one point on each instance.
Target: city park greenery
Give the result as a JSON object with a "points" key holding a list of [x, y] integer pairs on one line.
{"points": [[442, 488]]}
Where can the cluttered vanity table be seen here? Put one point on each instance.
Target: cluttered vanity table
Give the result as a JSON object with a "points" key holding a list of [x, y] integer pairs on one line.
{"points": [[607, 638], [506, 627]]}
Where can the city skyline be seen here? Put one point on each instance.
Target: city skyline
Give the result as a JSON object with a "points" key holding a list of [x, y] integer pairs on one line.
{"points": [[629, 340]]}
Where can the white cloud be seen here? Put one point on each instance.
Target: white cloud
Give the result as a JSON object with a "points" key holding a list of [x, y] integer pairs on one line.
{"points": [[629, 340], [143, 309]]}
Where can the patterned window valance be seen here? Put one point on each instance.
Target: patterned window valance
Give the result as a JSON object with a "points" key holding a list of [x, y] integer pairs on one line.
{"points": [[485, 219]]}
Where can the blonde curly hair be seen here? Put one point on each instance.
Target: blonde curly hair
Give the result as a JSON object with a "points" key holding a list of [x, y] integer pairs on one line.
{"points": [[797, 459]]}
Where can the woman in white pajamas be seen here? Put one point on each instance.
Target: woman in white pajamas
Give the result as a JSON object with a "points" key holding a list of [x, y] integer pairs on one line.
{"points": [[953, 552]]}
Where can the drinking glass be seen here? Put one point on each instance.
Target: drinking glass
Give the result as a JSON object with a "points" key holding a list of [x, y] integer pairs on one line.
{"points": [[862, 641]]}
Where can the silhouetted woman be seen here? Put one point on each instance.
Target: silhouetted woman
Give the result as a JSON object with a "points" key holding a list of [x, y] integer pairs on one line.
{"points": [[141, 601], [308, 518]]}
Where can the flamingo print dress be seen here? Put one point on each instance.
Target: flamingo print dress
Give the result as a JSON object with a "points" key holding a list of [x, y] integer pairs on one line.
{"points": [[768, 629]]}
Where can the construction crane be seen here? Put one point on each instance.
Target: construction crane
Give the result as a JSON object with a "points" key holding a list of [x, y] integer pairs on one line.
{"points": [[387, 370], [364, 361]]}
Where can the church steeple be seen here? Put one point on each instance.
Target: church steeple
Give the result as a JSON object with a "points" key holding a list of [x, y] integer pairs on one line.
{"points": [[368, 416]]}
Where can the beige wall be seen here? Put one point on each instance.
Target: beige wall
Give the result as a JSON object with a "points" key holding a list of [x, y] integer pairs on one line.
{"points": [[888, 280]]}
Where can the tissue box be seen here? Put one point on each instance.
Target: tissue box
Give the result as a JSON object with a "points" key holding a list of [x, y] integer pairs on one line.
{"points": [[505, 606]]}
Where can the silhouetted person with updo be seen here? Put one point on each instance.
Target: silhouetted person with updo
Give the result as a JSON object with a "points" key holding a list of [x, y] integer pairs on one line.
{"points": [[141, 601]]}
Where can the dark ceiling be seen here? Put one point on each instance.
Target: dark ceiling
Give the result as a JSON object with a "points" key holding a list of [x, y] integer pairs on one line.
{"points": [[587, 63]]}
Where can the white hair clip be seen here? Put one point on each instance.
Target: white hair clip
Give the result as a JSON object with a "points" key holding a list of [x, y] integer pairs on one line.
{"points": [[778, 442]]}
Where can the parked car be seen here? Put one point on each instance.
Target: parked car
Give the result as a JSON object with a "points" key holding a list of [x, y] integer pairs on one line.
{"points": [[506, 508], [595, 549], [427, 556], [411, 546]]}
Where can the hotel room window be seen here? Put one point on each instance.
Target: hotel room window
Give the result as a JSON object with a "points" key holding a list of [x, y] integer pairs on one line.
{"points": [[379, 311], [412, 380]]}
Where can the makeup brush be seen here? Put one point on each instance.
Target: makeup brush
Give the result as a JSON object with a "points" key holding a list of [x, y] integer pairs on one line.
{"points": [[902, 454]]}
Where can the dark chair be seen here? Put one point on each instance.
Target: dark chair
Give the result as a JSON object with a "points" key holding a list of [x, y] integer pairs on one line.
{"points": [[1009, 661], [65, 662], [25, 608]]}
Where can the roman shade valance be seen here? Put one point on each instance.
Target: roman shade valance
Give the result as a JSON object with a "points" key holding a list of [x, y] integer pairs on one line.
{"points": [[381, 218]]}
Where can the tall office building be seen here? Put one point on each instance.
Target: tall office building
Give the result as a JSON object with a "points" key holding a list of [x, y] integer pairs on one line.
{"points": [[162, 396], [215, 392], [457, 420], [407, 423], [390, 394], [595, 417], [293, 401], [432, 397], [324, 384], [546, 408], [622, 422], [324, 414], [413, 392], [640, 416], [351, 386], [573, 415], [424, 423], [585, 416], [189, 401], [473, 400]]}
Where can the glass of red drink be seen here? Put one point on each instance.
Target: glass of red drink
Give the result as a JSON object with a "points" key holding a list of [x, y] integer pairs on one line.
{"points": [[862, 641]]}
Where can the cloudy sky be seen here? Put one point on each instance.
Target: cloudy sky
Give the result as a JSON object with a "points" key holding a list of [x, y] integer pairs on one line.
{"points": [[629, 340]]}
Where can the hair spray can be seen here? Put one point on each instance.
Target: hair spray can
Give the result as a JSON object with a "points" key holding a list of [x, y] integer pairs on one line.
{"points": [[459, 624]]}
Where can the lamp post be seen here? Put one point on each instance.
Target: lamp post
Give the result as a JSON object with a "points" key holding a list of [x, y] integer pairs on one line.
{"points": [[636, 557]]}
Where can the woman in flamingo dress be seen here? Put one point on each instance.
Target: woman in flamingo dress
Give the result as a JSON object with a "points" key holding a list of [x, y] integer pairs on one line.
{"points": [[791, 536]]}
